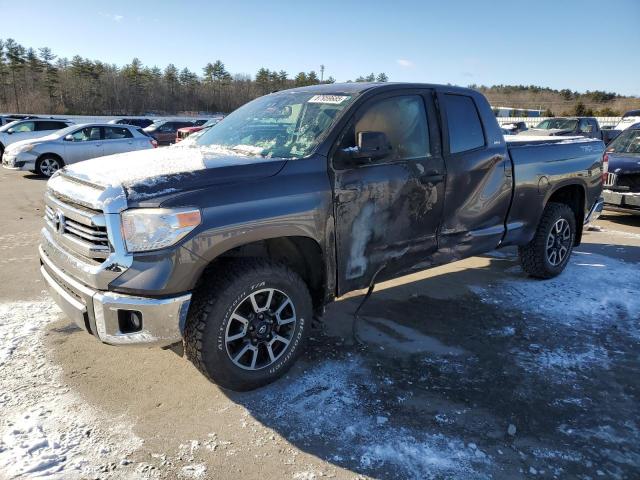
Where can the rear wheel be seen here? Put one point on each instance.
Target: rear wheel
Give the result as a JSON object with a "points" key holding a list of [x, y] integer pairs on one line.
{"points": [[248, 324], [548, 253], [48, 165]]}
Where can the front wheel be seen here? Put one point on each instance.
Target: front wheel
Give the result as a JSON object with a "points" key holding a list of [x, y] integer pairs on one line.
{"points": [[48, 165], [248, 323], [548, 253]]}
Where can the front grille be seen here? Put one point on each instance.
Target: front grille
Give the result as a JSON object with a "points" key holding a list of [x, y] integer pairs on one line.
{"points": [[80, 230]]}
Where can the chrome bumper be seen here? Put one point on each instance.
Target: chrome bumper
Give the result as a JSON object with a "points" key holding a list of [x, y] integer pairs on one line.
{"points": [[595, 211], [98, 312], [622, 200]]}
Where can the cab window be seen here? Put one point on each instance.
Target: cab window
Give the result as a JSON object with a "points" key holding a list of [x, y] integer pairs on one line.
{"points": [[463, 123], [402, 119]]}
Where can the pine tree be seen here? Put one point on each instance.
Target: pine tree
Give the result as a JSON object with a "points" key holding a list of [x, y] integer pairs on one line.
{"points": [[382, 77], [15, 56], [50, 75]]}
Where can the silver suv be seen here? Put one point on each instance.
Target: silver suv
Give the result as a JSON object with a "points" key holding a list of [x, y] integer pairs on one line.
{"points": [[74, 144]]}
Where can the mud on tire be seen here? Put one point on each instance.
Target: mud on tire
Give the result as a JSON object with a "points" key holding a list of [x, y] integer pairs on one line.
{"points": [[548, 253], [219, 309]]}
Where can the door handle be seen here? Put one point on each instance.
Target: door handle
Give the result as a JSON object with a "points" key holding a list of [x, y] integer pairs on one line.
{"points": [[431, 177], [349, 193]]}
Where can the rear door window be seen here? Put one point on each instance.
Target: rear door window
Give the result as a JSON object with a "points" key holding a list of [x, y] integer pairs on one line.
{"points": [[43, 126], [117, 133], [463, 123]]}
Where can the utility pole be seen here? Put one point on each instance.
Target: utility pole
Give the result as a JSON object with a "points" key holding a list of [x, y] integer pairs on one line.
{"points": [[321, 73]]}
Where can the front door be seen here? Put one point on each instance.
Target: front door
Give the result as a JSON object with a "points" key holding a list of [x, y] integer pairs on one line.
{"points": [[388, 210], [86, 143]]}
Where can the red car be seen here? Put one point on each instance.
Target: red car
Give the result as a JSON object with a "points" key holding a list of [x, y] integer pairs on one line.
{"points": [[184, 132]]}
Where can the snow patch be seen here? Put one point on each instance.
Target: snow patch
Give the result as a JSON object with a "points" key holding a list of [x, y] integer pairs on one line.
{"points": [[337, 400], [46, 430]]}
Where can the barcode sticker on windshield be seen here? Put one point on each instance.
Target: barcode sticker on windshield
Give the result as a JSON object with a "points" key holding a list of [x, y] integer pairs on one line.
{"points": [[328, 99]]}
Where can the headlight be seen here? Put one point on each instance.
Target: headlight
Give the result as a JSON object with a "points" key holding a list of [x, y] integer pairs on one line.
{"points": [[147, 229], [23, 148]]}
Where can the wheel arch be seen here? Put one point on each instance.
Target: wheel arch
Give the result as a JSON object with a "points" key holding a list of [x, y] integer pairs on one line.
{"points": [[50, 154], [302, 253], [573, 195]]}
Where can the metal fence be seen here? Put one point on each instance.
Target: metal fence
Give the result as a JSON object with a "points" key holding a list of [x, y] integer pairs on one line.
{"points": [[533, 121]]}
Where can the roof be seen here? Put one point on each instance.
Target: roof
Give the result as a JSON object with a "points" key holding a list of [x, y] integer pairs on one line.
{"points": [[360, 87]]}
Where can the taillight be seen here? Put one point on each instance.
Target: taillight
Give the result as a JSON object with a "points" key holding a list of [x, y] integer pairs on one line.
{"points": [[154, 143], [605, 167]]}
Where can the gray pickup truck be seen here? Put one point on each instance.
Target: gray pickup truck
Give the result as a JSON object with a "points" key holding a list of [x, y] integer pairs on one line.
{"points": [[233, 243]]}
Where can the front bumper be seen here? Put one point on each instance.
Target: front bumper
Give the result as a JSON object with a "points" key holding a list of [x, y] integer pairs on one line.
{"points": [[20, 161], [629, 201], [99, 312]]}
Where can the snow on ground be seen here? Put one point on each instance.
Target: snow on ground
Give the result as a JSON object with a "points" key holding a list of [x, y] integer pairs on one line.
{"points": [[592, 292], [337, 403], [46, 430]]}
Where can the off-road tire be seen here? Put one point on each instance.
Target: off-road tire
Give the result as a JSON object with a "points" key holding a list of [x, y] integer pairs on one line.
{"points": [[214, 302], [41, 160], [533, 256]]}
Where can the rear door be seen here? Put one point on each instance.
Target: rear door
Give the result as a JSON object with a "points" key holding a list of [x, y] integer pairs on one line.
{"points": [[49, 126], [118, 140], [479, 181], [85, 143], [388, 210]]}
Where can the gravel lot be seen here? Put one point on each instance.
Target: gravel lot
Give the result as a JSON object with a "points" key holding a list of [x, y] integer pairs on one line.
{"points": [[470, 370]]}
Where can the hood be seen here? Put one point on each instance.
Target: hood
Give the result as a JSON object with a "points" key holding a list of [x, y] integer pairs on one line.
{"points": [[624, 162], [544, 132], [31, 141], [147, 174]]}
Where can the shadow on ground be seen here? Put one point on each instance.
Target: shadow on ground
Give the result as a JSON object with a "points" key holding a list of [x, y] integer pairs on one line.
{"points": [[515, 377]]}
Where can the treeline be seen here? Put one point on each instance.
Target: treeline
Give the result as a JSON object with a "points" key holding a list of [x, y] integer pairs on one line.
{"points": [[553, 102], [37, 81]]}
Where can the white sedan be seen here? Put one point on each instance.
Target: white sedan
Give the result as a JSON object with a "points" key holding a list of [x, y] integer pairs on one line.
{"points": [[73, 144]]}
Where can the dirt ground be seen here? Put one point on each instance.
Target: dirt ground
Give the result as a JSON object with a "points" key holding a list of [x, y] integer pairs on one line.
{"points": [[470, 370]]}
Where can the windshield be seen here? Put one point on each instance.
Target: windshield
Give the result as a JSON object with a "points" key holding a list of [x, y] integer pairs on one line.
{"points": [[9, 125], [627, 142], [281, 125], [558, 123]]}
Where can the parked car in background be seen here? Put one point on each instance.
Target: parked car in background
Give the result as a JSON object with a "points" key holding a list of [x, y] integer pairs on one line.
{"points": [[27, 129], [8, 118], [184, 132], [76, 143], [567, 126], [164, 131], [514, 127], [571, 126], [296, 198], [629, 119], [622, 165], [137, 122]]}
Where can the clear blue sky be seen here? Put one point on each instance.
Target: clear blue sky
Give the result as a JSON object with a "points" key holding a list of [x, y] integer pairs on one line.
{"points": [[577, 44]]}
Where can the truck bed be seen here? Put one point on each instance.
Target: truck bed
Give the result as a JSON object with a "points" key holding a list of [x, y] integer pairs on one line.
{"points": [[541, 164]]}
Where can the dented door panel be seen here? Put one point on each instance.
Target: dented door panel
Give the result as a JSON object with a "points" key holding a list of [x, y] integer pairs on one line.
{"points": [[388, 214]]}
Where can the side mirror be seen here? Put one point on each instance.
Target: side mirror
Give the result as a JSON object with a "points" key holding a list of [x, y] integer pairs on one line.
{"points": [[371, 146], [69, 138], [10, 131]]}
